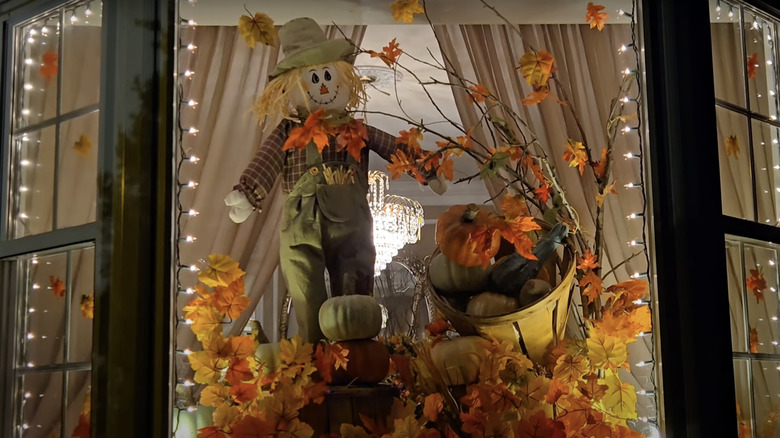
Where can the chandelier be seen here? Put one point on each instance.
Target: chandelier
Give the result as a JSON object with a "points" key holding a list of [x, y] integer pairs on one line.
{"points": [[397, 220]]}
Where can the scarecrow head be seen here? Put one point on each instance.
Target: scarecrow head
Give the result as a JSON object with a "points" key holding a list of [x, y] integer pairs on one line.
{"points": [[316, 73]]}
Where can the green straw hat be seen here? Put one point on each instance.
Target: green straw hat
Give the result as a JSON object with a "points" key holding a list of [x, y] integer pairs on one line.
{"points": [[304, 44]]}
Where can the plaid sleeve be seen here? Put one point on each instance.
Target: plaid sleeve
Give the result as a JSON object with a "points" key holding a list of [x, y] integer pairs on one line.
{"points": [[385, 145], [259, 176]]}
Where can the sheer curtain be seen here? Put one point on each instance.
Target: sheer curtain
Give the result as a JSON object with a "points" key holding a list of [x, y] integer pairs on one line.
{"points": [[589, 68]]}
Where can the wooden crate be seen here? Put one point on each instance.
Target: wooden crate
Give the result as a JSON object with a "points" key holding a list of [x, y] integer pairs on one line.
{"points": [[344, 404]]}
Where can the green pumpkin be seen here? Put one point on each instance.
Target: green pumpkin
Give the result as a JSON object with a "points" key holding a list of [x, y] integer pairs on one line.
{"points": [[268, 355], [458, 360], [449, 277], [350, 317], [491, 304]]}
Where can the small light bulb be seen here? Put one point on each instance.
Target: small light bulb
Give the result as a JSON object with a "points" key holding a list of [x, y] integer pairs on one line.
{"points": [[31, 310], [25, 162], [774, 318], [188, 73], [192, 103], [625, 99], [88, 12], [23, 215], [731, 13], [193, 268], [30, 364], [25, 426], [187, 351], [192, 409], [717, 8], [621, 12], [31, 40], [36, 286], [191, 47], [28, 61], [44, 30], [194, 159], [631, 216], [193, 212], [189, 291], [627, 129], [192, 184], [33, 32], [193, 130], [73, 17], [191, 23], [34, 261], [30, 335], [622, 48], [190, 239], [25, 112], [23, 189], [27, 395], [188, 321], [628, 155], [631, 185]]}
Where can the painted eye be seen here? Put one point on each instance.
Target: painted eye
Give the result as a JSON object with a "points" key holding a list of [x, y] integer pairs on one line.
{"points": [[314, 78], [327, 75]]}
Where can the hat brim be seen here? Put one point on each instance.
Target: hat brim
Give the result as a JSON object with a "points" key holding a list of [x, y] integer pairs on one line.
{"points": [[324, 52]]}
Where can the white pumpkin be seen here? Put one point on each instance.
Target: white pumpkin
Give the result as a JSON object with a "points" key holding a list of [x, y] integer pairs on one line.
{"points": [[491, 304], [350, 317], [458, 360], [452, 278]]}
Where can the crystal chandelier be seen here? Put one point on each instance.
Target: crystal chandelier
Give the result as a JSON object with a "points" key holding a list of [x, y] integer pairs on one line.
{"points": [[397, 219]]}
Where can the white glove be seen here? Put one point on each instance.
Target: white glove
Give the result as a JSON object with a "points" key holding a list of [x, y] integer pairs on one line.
{"points": [[240, 208], [438, 185]]}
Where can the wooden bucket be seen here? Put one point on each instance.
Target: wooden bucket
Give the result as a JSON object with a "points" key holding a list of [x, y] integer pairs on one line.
{"points": [[529, 329]]}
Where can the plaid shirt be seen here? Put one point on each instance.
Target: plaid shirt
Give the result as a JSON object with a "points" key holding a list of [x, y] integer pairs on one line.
{"points": [[259, 176]]}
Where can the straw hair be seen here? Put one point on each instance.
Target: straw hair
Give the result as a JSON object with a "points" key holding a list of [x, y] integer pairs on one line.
{"points": [[275, 101]]}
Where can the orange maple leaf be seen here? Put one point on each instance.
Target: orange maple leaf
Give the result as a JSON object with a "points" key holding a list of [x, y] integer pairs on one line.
{"points": [[238, 371], [478, 92], [732, 146], [253, 427], [230, 301], [594, 13], [543, 193], [587, 261], [600, 167], [609, 188], [438, 327], [389, 54], [591, 285], [757, 283], [434, 403], [49, 65], [400, 163], [314, 129], [575, 154], [539, 426], [591, 388], [754, 340], [87, 306], [633, 289], [570, 368], [474, 421], [446, 169], [411, 139], [57, 286], [352, 136], [210, 432], [244, 392], [752, 65], [515, 230], [557, 389], [536, 67], [537, 96], [513, 206]]}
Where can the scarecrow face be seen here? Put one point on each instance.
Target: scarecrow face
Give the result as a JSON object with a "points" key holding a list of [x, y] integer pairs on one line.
{"points": [[322, 87]]}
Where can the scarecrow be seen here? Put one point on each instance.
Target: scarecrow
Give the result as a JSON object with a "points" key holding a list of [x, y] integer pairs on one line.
{"points": [[322, 154]]}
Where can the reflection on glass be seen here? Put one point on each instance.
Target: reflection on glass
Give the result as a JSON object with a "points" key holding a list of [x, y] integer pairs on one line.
{"points": [[32, 182], [81, 57], [766, 397], [766, 155], [761, 64], [736, 298], [735, 172], [77, 176], [742, 389], [82, 276], [728, 66], [37, 67], [762, 302], [41, 412], [45, 281], [78, 399]]}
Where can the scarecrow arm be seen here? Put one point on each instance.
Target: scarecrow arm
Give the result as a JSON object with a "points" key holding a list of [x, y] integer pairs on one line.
{"points": [[259, 176], [385, 145]]}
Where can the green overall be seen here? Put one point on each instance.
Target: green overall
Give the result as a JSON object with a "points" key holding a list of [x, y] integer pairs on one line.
{"points": [[325, 227]]}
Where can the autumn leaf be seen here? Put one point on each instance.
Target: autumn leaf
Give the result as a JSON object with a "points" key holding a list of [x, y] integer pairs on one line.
{"points": [[557, 389], [633, 289], [539, 426], [350, 431], [533, 391], [752, 65], [478, 92], [626, 325], [575, 154], [295, 351], [257, 29], [221, 271], [404, 10], [49, 65], [606, 351], [243, 392], [411, 139], [591, 388], [434, 403], [474, 421], [574, 412], [569, 369], [57, 286], [207, 370], [536, 96], [230, 301], [514, 206], [215, 395], [438, 326], [732, 146], [600, 167], [253, 427], [756, 283], [87, 305], [208, 323], [225, 416], [83, 145], [400, 163], [594, 13], [352, 136], [446, 169], [536, 67], [238, 371], [591, 286], [377, 426], [515, 230], [620, 397], [744, 429], [609, 188], [314, 129], [211, 432], [587, 261], [754, 340], [389, 54], [543, 193]]}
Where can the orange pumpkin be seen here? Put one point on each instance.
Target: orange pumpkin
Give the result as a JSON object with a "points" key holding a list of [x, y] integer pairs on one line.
{"points": [[466, 235], [368, 361]]}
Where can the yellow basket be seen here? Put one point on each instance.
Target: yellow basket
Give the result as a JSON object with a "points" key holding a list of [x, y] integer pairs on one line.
{"points": [[531, 328]]}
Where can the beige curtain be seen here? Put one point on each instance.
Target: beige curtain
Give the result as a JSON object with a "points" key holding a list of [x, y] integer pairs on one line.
{"points": [[589, 68]]}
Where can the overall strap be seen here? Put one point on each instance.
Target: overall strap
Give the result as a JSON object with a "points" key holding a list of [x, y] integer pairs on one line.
{"points": [[313, 156]]}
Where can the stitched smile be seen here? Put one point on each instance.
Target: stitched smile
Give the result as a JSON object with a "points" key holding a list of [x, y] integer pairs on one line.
{"points": [[335, 94]]}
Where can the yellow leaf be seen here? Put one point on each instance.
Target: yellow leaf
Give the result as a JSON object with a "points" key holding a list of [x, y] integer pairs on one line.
{"points": [[533, 391], [536, 67], [258, 29], [221, 271], [83, 145], [569, 369], [350, 431], [404, 10], [208, 323], [215, 395], [230, 300], [295, 351], [225, 415], [407, 427], [609, 188], [87, 305], [620, 397], [296, 429], [606, 351], [575, 154], [732, 146], [207, 369]]}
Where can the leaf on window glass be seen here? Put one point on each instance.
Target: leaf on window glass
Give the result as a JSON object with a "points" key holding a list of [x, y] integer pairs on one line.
{"points": [[404, 10], [49, 66], [756, 283], [83, 145], [257, 29], [754, 340], [88, 306], [594, 13], [732, 146], [752, 65], [57, 286]]}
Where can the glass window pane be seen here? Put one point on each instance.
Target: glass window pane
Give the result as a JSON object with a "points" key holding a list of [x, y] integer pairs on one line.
{"points": [[44, 284], [41, 412], [77, 176], [33, 182], [767, 171], [82, 276], [78, 405], [766, 397], [735, 171], [736, 297], [728, 66], [744, 397], [761, 64], [37, 67], [762, 302], [81, 57]]}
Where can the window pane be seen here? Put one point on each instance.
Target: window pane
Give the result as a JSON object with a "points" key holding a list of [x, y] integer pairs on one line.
{"points": [[736, 298], [77, 176], [728, 66], [744, 398], [762, 302], [33, 182], [735, 171], [766, 397], [37, 67], [44, 281], [81, 57], [82, 276], [41, 412], [761, 64], [767, 170], [77, 408]]}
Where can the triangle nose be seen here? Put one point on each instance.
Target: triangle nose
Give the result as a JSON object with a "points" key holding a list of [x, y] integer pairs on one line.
{"points": [[323, 89]]}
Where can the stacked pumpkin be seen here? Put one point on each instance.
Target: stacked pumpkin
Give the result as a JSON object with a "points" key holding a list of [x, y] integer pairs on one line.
{"points": [[459, 272], [352, 321]]}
